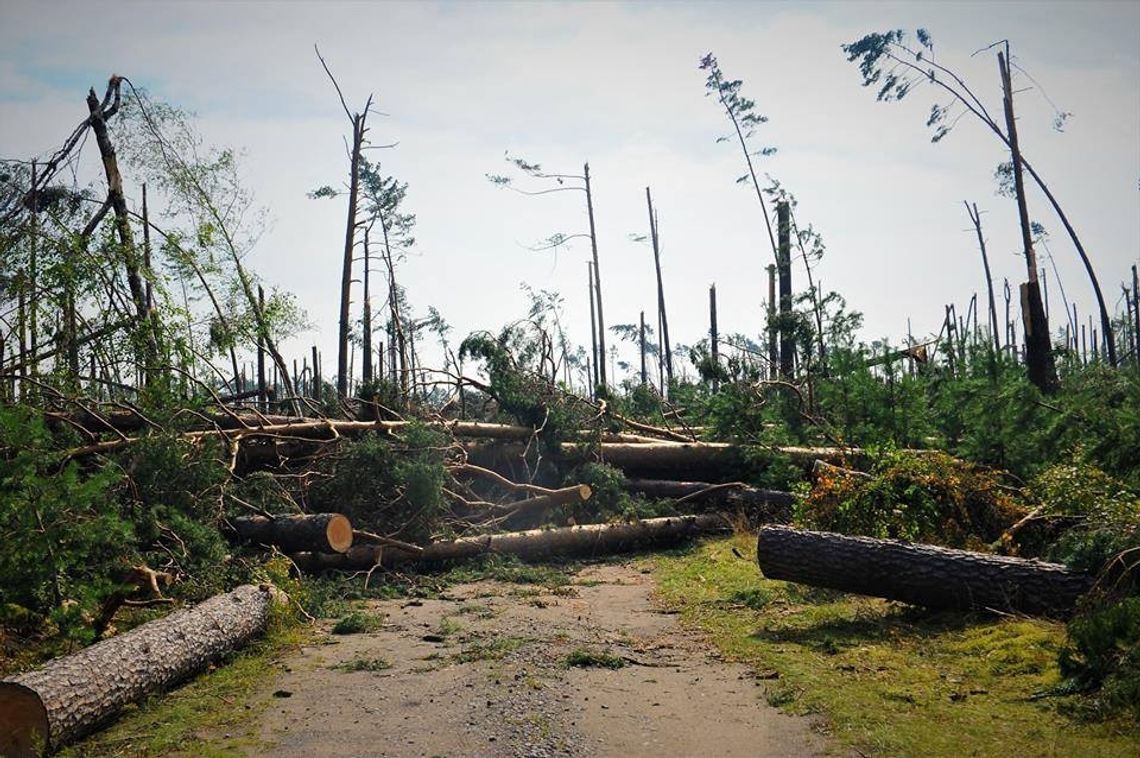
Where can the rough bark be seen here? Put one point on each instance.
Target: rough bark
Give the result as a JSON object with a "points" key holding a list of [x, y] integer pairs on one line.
{"points": [[784, 261], [924, 575], [773, 504], [321, 532], [70, 696], [589, 540], [575, 494]]}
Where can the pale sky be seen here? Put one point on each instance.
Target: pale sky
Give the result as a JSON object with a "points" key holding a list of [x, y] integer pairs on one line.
{"points": [[618, 84]]}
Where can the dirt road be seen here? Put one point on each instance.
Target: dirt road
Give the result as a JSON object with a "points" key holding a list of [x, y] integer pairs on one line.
{"points": [[484, 671]]}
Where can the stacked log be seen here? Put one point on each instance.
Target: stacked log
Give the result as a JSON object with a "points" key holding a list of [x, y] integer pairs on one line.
{"points": [[589, 540], [934, 577], [70, 696]]}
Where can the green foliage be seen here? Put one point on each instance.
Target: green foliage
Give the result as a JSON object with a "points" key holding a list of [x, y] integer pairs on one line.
{"points": [[391, 486], [1102, 657], [609, 499], [64, 539], [930, 498], [358, 622]]}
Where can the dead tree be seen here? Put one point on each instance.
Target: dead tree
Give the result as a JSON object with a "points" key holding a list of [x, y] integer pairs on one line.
{"points": [[359, 129]]}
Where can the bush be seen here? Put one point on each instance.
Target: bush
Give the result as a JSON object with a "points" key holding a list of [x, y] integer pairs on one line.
{"points": [[931, 498], [387, 486]]}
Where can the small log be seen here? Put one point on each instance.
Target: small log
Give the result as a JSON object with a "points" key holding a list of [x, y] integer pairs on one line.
{"points": [[934, 577], [575, 494], [71, 696], [319, 532], [587, 540]]}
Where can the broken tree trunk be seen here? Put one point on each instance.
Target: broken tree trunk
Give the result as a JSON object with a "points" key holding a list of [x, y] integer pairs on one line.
{"points": [[774, 504], [71, 696], [925, 575], [588, 540], [320, 532]]}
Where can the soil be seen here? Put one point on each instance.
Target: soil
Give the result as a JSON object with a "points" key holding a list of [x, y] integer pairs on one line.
{"points": [[482, 671]]}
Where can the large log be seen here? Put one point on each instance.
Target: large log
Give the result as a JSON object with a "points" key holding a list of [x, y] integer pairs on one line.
{"points": [[772, 505], [71, 696], [704, 460], [319, 532], [574, 494], [934, 577], [588, 540]]}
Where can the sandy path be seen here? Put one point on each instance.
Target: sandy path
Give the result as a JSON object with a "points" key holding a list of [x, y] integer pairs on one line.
{"points": [[490, 680]]}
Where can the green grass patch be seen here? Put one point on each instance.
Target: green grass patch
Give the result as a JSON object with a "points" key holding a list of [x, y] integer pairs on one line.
{"points": [[888, 679], [357, 622], [587, 658], [493, 649], [364, 664], [192, 718]]}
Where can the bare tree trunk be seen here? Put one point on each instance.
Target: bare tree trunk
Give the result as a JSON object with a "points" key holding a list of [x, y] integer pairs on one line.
{"points": [[976, 219], [358, 130], [667, 351], [597, 281], [787, 340], [773, 355], [366, 323], [714, 338], [644, 376], [593, 332], [1038, 347]]}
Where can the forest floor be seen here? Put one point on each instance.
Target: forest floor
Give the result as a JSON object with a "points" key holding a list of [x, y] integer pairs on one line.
{"points": [[589, 668]]}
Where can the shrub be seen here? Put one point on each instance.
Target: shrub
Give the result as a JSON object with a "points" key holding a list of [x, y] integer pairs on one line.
{"points": [[932, 498]]}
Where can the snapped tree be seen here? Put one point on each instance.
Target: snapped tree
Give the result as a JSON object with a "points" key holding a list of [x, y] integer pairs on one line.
{"points": [[888, 62]]}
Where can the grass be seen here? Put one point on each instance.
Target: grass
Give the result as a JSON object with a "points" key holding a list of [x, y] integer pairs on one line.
{"points": [[363, 664], [190, 718], [493, 649], [357, 622], [586, 658], [887, 679]]}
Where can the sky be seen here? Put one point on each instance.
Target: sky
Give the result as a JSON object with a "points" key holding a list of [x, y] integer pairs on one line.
{"points": [[618, 85]]}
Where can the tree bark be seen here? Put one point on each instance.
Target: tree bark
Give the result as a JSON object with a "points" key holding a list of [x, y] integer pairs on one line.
{"points": [[667, 349], [784, 258], [70, 696], [320, 532], [589, 540], [925, 575], [576, 494], [777, 505], [1038, 347], [597, 282]]}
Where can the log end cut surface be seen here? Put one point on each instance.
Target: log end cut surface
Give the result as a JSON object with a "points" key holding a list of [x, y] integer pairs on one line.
{"points": [[339, 533], [23, 722]]}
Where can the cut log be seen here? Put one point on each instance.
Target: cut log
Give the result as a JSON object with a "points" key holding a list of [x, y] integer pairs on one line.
{"points": [[775, 504], [71, 696], [575, 494], [588, 540], [320, 532], [934, 577]]}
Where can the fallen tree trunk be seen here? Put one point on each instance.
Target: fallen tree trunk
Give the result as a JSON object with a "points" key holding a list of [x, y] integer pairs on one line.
{"points": [[704, 460], [735, 495], [934, 577], [588, 540], [320, 532], [70, 696]]}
